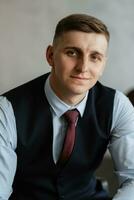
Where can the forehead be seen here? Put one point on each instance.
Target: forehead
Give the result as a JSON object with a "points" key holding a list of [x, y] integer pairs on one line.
{"points": [[83, 41]]}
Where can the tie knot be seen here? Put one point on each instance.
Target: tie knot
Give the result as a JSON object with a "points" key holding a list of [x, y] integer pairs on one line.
{"points": [[71, 115]]}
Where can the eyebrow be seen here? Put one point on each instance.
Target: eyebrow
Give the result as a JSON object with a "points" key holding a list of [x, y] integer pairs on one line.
{"points": [[74, 48], [98, 53]]}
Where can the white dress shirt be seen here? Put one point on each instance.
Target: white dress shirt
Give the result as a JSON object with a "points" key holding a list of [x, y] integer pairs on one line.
{"points": [[121, 145]]}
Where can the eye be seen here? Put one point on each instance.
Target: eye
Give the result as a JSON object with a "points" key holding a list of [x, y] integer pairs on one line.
{"points": [[96, 58], [71, 53]]}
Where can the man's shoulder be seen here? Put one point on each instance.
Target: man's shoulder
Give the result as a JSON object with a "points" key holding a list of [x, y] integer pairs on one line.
{"points": [[102, 89], [30, 86]]}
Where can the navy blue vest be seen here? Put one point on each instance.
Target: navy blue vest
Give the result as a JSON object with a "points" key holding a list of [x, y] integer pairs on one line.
{"points": [[37, 176]]}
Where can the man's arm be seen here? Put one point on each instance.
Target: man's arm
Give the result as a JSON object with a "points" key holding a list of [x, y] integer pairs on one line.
{"points": [[126, 192], [122, 146], [8, 140]]}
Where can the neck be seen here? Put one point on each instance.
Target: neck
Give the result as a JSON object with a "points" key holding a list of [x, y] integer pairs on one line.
{"points": [[72, 101]]}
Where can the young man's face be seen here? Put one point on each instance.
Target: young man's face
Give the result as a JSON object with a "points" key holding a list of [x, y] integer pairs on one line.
{"points": [[77, 60]]}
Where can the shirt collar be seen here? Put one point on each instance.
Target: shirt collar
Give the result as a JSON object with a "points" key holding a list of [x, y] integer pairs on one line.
{"points": [[60, 107]]}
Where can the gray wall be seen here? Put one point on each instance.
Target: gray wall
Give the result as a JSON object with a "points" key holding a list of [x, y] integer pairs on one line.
{"points": [[27, 26]]}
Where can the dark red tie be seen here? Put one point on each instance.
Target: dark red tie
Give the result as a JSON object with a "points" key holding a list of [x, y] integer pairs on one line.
{"points": [[71, 117]]}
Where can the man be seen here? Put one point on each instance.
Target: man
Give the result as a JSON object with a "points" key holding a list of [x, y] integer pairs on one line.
{"points": [[33, 127]]}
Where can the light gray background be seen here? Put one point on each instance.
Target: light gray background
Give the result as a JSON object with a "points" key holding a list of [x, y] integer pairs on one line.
{"points": [[27, 26]]}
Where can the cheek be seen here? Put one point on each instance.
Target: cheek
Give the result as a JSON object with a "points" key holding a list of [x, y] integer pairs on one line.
{"points": [[60, 68], [65, 66], [66, 62], [96, 71]]}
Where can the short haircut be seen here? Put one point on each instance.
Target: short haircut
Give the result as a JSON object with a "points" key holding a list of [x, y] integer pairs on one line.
{"points": [[81, 22]]}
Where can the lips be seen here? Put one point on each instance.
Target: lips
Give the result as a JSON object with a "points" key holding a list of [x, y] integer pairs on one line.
{"points": [[79, 77]]}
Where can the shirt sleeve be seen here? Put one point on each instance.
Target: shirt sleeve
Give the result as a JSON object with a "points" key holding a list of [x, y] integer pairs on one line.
{"points": [[121, 146], [8, 141]]}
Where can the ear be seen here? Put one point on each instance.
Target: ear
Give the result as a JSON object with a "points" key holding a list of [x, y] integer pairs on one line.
{"points": [[49, 55]]}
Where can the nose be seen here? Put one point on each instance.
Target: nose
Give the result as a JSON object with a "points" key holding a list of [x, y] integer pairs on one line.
{"points": [[83, 65]]}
